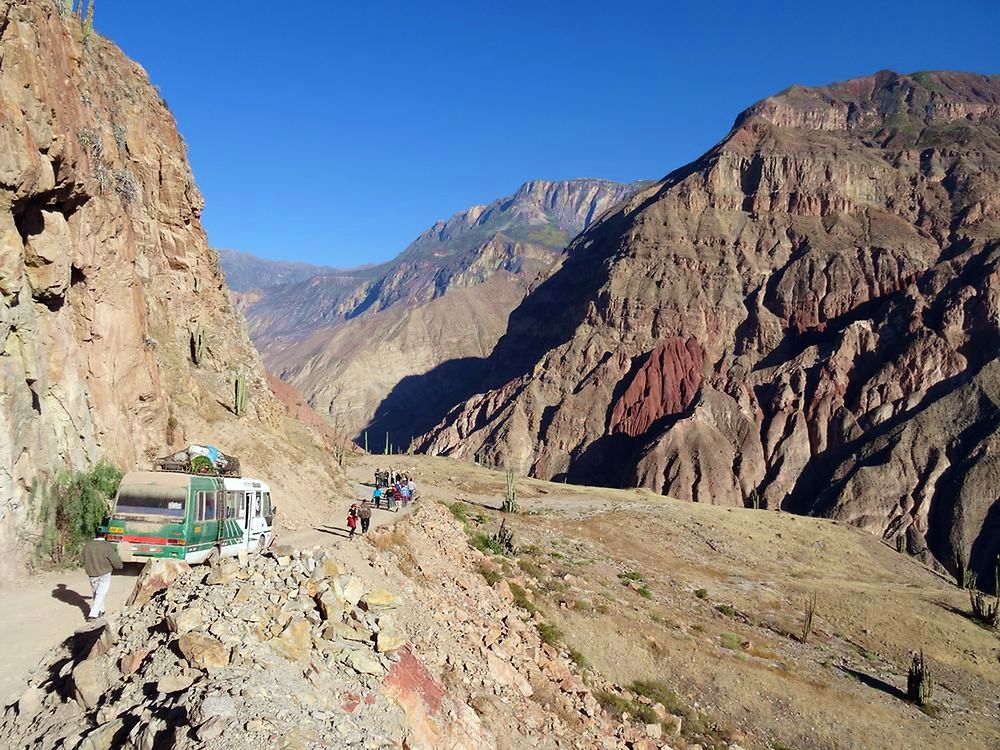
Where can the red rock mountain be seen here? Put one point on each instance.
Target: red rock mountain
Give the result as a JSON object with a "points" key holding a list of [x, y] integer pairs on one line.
{"points": [[104, 273], [808, 317]]}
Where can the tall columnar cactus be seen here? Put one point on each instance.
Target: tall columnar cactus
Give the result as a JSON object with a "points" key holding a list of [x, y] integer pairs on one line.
{"points": [[918, 681], [387, 443], [240, 403], [366, 441], [510, 498], [197, 345], [89, 23]]}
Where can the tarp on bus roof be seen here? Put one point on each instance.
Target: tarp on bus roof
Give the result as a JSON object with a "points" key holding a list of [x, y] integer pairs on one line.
{"points": [[157, 478]]}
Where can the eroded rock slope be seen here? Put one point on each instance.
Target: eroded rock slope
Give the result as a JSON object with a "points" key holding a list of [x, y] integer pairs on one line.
{"points": [[353, 340], [104, 273], [808, 317]]}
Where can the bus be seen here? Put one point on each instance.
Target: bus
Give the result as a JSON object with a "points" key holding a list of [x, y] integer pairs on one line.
{"points": [[190, 517]]}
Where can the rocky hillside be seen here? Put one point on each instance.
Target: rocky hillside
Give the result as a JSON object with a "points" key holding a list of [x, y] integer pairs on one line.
{"points": [[807, 317], [198, 658], [104, 274], [348, 339]]}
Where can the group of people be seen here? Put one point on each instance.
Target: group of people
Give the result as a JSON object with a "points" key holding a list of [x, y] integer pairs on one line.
{"points": [[392, 492]]}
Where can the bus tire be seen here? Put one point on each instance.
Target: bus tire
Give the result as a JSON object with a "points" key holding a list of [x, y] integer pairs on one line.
{"points": [[214, 557]]}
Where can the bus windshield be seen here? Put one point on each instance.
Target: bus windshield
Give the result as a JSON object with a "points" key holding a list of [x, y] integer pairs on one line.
{"points": [[150, 500]]}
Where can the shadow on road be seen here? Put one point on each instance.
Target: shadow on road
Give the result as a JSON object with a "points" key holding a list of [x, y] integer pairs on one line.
{"points": [[68, 596]]}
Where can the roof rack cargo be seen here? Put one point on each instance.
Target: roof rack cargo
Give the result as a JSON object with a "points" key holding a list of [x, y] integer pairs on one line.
{"points": [[199, 459]]}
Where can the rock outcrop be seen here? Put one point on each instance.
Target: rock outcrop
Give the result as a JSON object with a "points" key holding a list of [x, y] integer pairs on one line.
{"points": [[352, 341], [294, 648], [104, 273], [806, 317]]}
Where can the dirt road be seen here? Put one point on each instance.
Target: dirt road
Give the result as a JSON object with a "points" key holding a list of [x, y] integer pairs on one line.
{"points": [[45, 609]]}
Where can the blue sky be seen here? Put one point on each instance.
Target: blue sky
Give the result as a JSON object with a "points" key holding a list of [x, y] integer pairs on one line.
{"points": [[336, 132]]}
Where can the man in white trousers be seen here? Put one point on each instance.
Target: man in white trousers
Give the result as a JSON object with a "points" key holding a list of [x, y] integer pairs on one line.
{"points": [[99, 559]]}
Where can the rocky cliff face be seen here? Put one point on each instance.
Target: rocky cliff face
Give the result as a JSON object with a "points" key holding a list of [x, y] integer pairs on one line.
{"points": [[807, 317], [104, 271], [352, 341]]}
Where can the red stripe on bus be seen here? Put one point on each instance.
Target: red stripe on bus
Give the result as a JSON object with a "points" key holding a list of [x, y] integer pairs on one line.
{"points": [[146, 539]]}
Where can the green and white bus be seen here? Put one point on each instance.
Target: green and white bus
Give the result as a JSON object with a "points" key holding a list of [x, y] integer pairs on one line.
{"points": [[189, 517]]}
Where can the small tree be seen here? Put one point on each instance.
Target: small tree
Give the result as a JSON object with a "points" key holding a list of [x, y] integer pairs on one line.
{"points": [[70, 508]]}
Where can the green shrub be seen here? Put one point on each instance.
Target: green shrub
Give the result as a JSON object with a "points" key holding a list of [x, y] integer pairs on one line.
{"points": [[486, 544], [731, 641], [521, 598], [644, 592], [727, 609], [630, 575], [491, 575], [701, 593], [549, 634], [579, 659], [458, 511], [530, 568], [69, 509]]}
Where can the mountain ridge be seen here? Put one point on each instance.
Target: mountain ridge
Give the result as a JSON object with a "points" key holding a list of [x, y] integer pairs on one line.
{"points": [[764, 320]]}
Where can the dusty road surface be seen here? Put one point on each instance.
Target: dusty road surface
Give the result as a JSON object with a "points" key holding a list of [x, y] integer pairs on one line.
{"points": [[45, 609]]}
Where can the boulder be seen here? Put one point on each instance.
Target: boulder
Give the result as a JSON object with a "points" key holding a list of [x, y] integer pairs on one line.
{"points": [[348, 590], [185, 620], [131, 662], [103, 738], [156, 575], [379, 599], [175, 683], [225, 572], [365, 663], [390, 637], [295, 640], [29, 704], [91, 679], [203, 651], [345, 632]]}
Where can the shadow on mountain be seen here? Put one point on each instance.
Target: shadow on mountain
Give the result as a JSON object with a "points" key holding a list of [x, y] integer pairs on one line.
{"points": [[419, 402], [547, 318]]}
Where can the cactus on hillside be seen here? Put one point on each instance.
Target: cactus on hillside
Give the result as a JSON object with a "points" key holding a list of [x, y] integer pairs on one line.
{"points": [[918, 681], [89, 23], [197, 345], [240, 404], [387, 443], [510, 497]]}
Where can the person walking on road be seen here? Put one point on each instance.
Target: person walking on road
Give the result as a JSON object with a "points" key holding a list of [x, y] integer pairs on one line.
{"points": [[352, 520], [365, 514], [99, 559]]}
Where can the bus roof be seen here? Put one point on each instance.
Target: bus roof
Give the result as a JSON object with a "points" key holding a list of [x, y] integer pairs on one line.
{"points": [[157, 478], [245, 483]]}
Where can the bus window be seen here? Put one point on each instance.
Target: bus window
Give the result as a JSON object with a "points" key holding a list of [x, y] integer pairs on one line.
{"points": [[256, 505], [230, 501], [267, 503], [238, 503], [206, 506]]}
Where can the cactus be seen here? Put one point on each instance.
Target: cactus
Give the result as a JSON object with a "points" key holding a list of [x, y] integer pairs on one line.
{"points": [[387, 443], [366, 441], [754, 499], [510, 498], [988, 614], [810, 611], [198, 345], [88, 25], [918, 681], [240, 404]]}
